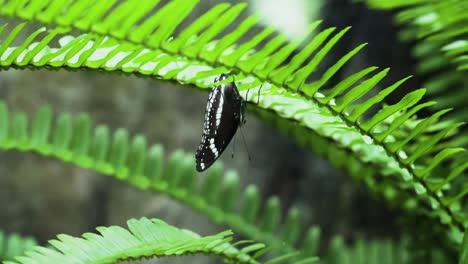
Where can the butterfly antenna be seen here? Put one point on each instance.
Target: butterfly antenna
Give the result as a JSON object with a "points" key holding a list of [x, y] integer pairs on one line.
{"points": [[258, 97], [247, 95], [245, 144]]}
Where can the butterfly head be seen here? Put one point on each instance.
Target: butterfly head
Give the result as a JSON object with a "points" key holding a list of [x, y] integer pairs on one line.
{"points": [[221, 77]]}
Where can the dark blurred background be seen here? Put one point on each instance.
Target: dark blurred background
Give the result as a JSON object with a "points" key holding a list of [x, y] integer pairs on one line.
{"points": [[42, 197]]}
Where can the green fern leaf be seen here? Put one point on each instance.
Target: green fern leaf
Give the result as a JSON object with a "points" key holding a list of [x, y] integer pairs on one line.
{"points": [[439, 27], [144, 238], [14, 245]]}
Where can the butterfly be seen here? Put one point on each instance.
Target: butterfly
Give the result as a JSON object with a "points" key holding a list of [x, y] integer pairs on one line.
{"points": [[225, 112]]}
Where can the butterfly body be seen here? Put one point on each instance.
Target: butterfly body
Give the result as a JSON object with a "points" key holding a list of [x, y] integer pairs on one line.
{"points": [[224, 114]]}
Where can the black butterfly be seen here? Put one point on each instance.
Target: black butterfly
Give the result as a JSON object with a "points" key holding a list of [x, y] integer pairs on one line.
{"points": [[225, 112]]}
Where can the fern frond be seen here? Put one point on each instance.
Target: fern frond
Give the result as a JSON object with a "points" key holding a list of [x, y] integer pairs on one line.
{"points": [[13, 245], [133, 161], [375, 251], [440, 28], [143, 43], [464, 250], [145, 238]]}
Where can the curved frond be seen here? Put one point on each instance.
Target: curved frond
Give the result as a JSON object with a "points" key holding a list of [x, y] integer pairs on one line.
{"points": [[75, 141], [440, 27], [144, 238], [155, 44], [13, 245]]}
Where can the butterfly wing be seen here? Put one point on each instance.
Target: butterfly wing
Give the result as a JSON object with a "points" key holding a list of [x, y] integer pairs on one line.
{"points": [[222, 118]]}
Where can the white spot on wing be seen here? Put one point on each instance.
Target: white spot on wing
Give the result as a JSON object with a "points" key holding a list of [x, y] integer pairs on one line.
{"points": [[219, 111], [214, 150]]}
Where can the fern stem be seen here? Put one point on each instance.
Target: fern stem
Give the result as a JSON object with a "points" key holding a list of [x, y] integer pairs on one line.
{"points": [[380, 143]]}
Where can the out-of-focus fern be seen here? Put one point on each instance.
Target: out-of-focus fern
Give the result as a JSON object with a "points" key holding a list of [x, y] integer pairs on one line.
{"points": [[464, 250], [132, 160], [367, 252], [375, 251], [125, 36], [144, 238], [12, 245]]}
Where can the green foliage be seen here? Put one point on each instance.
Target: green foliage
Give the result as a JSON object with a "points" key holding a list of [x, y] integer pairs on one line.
{"points": [[332, 114], [420, 160], [369, 252], [439, 27], [14, 245], [144, 238], [464, 250], [375, 251], [131, 160]]}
